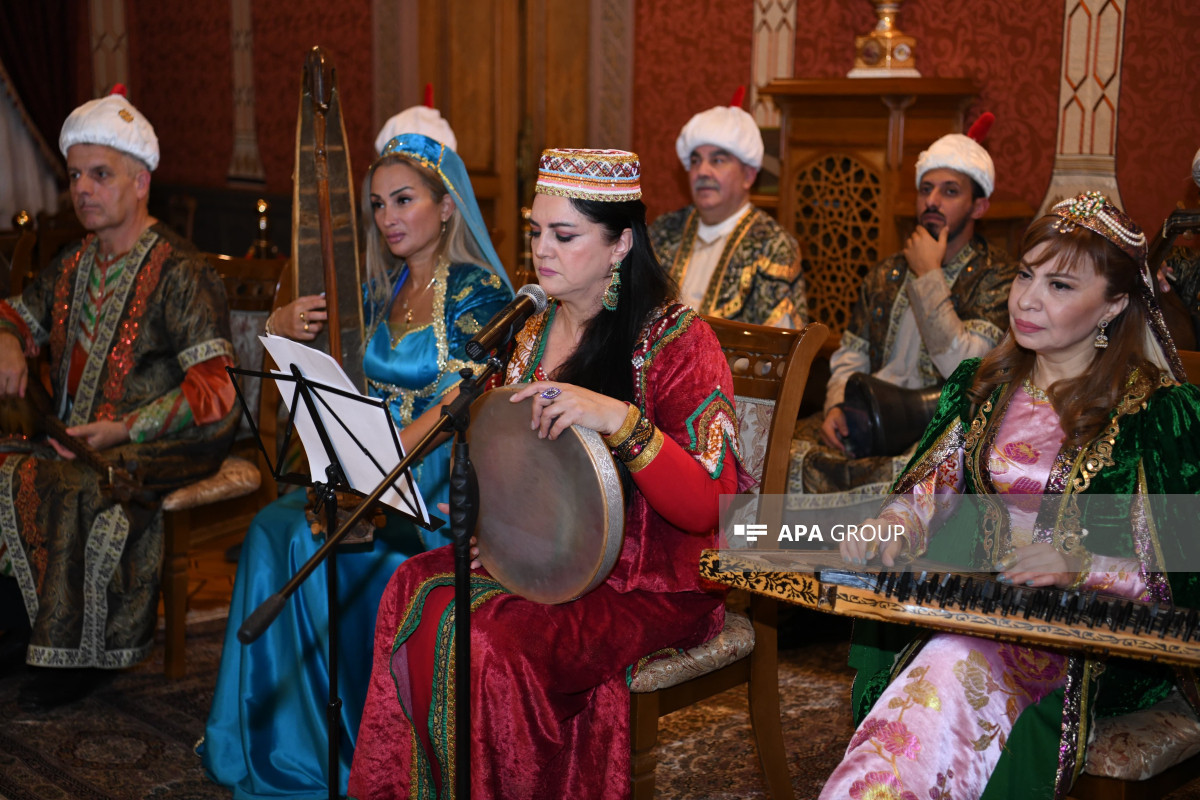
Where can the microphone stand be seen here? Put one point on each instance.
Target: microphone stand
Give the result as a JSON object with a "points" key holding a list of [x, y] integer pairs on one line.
{"points": [[463, 499]]}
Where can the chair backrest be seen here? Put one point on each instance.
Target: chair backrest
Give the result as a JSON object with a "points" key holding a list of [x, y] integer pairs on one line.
{"points": [[250, 285], [770, 368]]}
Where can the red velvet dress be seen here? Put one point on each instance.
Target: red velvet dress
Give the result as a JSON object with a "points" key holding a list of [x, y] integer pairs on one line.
{"points": [[549, 684]]}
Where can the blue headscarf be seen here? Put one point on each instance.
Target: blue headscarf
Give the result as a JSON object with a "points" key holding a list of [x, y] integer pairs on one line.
{"points": [[446, 164]]}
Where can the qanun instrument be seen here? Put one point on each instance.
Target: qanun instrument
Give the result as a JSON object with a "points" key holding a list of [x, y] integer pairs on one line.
{"points": [[936, 596]]}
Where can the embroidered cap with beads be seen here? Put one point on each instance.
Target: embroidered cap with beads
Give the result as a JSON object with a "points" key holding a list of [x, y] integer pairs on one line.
{"points": [[605, 175]]}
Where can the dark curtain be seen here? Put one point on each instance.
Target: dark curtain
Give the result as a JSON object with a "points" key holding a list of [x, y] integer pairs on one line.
{"points": [[38, 52]]}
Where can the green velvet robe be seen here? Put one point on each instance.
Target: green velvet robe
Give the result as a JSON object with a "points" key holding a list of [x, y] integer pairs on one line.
{"points": [[1151, 447]]}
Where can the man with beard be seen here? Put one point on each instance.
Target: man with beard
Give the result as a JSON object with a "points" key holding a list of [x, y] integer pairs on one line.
{"points": [[919, 313], [729, 258]]}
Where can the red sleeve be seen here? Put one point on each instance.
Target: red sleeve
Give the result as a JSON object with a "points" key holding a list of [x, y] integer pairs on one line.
{"points": [[209, 390], [680, 489]]}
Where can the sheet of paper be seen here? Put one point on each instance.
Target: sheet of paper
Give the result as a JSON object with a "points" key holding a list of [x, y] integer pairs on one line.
{"points": [[362, 432]]}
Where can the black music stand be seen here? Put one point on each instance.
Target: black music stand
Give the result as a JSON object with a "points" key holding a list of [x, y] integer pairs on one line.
{"points": [[314, 397]]}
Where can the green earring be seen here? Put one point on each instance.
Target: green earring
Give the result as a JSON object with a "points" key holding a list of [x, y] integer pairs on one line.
{"points": [[613, 292]]}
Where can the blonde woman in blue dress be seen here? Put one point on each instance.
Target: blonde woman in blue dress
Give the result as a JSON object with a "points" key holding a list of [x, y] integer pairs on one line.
{"points": [[433, 279]]}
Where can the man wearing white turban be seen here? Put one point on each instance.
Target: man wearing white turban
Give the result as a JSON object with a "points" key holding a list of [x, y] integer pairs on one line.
{"points": [[138, 332], [920, 312], [730, 259]]}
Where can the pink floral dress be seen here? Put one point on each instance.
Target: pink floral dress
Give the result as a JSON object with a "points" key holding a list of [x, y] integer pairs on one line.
{"points": [[939, 728]]}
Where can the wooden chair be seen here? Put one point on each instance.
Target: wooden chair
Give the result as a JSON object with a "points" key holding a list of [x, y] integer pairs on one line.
{"points": [[56, 231], [770, 368], [1150, 753], [230, 498], [17, 246]]}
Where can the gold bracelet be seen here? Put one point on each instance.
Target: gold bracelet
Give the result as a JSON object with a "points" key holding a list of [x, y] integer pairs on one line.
{"points": [[642, 459], [617, 437]]}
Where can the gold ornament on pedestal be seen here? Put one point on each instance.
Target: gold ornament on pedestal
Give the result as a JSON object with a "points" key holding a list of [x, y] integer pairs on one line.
{"points": [[885, 52]]}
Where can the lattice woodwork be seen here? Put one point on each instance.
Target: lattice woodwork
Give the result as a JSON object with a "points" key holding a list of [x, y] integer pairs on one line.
{"points": [[838, 225]]}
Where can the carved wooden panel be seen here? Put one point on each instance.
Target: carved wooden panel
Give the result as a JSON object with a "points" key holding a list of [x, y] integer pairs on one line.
{"points": [[837, 221]]}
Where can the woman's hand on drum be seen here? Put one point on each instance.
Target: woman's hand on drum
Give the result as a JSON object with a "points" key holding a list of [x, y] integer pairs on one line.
{"points": [[858, 551], [1037, 565], [558, 406], [302, 319], [475, 562]]}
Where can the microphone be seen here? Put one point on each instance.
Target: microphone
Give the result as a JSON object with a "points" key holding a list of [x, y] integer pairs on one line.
{"points": [[530, 300]]}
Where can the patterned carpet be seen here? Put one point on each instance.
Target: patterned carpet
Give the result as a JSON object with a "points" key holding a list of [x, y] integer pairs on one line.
{"points": [[133, 738]]}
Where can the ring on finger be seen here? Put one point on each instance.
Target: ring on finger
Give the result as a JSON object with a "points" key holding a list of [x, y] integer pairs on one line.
{"points": [[302, 318], [306, 327], [551, 393]]}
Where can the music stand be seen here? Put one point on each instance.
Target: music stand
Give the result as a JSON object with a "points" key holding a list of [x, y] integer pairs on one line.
{"points": [[337, 439]]}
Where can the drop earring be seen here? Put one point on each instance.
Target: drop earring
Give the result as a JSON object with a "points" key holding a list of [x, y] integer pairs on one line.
{"points": [[1101, 341], [613, 293]]}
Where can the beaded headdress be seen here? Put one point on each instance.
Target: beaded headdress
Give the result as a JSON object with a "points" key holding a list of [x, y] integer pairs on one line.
{"points": [[606, 175], [1094, 211], [450, 169]]}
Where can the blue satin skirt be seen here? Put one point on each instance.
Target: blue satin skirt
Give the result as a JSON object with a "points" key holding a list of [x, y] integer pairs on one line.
{"points": [[267, 733]]}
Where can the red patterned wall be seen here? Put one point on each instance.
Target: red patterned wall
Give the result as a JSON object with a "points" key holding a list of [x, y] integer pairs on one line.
{"points": [[284, 32], [1159, 126], [182, 84], [689, 55], [1010, 48]]}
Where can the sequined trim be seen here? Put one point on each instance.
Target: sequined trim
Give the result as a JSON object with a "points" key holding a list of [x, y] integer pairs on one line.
{"points": [[1098, 454], [1080, 673], [468, 324], [744, 280], [62, 317], [407, 397], [712, 428], [198, 354], [1149, 548], [671, 321], [112, 355], [443, 713]]}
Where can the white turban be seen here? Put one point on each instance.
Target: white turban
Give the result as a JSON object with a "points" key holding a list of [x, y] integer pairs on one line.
{"points": [[962, 153], [726, 127], [418, 119], [114, 122]]}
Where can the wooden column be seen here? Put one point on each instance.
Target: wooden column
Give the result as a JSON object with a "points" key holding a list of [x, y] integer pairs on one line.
{"points": [[245, 166], [1088, 95], [110, 46]]}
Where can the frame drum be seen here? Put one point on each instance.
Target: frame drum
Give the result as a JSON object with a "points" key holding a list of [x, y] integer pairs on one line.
{"points": [[551, 512]]}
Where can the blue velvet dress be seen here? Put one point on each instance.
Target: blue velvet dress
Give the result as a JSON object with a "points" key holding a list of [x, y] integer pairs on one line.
{"points": [[266, 734]]}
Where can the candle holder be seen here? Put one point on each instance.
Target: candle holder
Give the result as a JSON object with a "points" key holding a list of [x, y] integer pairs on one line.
{"points": [[885, 52]]}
